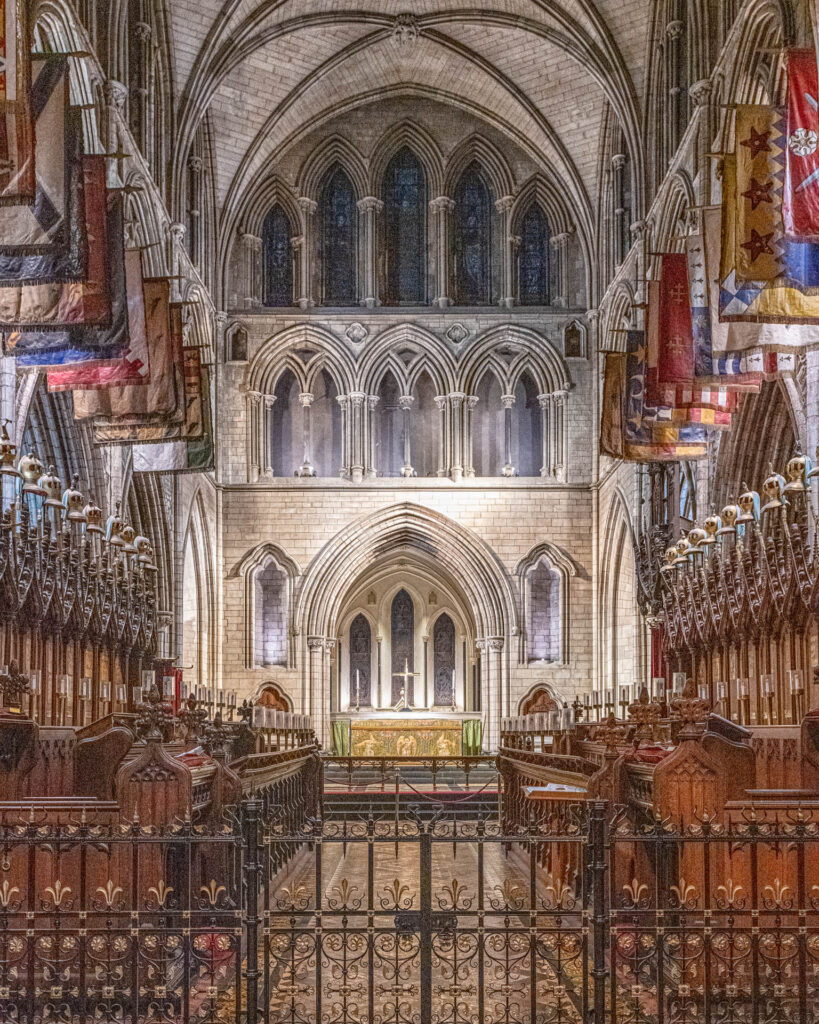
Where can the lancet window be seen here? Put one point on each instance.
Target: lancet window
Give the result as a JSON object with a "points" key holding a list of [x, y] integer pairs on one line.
{"points": [[405, 204], [277, 258], [472, 214], [338, 240]]}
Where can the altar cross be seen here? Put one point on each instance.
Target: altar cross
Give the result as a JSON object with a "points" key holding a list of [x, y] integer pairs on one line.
{"points": [[406, 675]]}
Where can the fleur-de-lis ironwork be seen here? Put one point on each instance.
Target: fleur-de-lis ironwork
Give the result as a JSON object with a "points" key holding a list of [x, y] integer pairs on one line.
{"points": [[730, 896], [293, 898], [109, 894], [685, 894], [161, 893], [395, 896], [454, 896], [7, 894], [636, 892], [777, 896], [344, 897], [212, 891], [59, 894]]}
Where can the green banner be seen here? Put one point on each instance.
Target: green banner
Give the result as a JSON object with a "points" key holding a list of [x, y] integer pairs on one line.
{"points": [[471, 737], [341, 738]]}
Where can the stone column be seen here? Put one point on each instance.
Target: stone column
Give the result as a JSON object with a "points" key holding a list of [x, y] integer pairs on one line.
{"points": [[638, 234], [700, 93], [253, 400], [545, 402], [306, 468], [267, 434], [469, 405], [251, 261], [346, 435], [405, 404], [674, 30], [297, 244], [442, 207], [322, 726], [358, 451], [456, 461], [504, 207], [619, 248], [492, 683], [372, 468], [315, 670], [561, 436], [176, 236], [507, 401], [442, 405], [195, 208], [559, 245], [369, 206], [308, 209]]}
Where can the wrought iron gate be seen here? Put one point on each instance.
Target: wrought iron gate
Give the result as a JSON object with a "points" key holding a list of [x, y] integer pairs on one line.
{"points": [[416, 921]]}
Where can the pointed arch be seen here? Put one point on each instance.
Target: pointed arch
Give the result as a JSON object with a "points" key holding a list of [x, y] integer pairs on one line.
{"points": [[411, 349], [412, 136], [250, 568], [527, 347], [334, 150], [479, 150]]}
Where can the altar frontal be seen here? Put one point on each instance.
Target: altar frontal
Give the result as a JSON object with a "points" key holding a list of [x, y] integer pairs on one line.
{"points": [[400, 738]]}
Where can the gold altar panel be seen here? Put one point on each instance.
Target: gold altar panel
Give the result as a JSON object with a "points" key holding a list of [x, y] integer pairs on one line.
{"points": [[391, 738]]}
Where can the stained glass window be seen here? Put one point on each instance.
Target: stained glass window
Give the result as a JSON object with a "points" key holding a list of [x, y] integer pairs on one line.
{"points": [[338, 240], [443, 645], [277, 259], [473, 283], [533, 258], [360, 662], [405, 204], [402, 621]]}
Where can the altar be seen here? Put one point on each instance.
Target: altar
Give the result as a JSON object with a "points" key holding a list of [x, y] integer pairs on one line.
{"points": [[408, 736]]}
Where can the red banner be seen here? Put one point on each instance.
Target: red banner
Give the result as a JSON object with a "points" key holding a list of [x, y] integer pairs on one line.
{"points": [[800, 206], [675, 347]]}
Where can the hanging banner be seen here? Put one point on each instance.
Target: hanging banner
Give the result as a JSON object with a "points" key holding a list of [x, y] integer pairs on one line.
{"points": [[42, 221], [134, 366], [159, 397], [760, 163], [67, 259], [791, 298], [16, 129], [55, 306], [675, 347], [83, 344], [181, 456], [614, 387], [801, 198]]}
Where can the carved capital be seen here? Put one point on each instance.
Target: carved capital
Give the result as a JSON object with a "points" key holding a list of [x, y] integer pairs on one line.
{"points": [[700, 91], [370, 204], [308, 206], [116, 94], [495, 643], [405, 401], [305, 399], [674, 29], [442, 204], [177, 231], [195, 164], [504, 204], [507, 401], [315, 643], [618, 161]]}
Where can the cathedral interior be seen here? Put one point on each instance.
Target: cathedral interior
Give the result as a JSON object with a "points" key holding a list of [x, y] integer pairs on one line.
{"points": [[409, 512]]}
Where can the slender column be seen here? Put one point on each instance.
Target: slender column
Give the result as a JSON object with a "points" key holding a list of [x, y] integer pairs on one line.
{"points": [[405, 404], [545, 402], [306, 468], [442, 406], [176, 241], [507, 401], [442, 207], [254, 461], [560, 247], [469, 405], [346, 435], [315, 657], [378, 643], [369, 206], [700, 93], [371, 471], [358, 451], [674, 30], [456, 463], [298, 245], [267, 434], [560, 434], [497, 695], [639, 235], [619, 247], [308, 208], [251, 260], [426, 671], [139, 90], [194, 198], [322, 727], [504, 207]]}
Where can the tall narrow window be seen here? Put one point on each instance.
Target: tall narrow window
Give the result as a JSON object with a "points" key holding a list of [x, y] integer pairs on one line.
{"points": [[473, 283], [277, 257], [338, 240], [533, 265], [488, 426], [443, 646], [402, 645], [270, 627], [325, 426], [405, 203], [389, 454], [527, 428], [543, 612], [360, 662]]}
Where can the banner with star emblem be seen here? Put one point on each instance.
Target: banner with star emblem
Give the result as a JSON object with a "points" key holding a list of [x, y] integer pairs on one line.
{"points": [[16, 129], [800, 207], [760, 168], [791, 298]]}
